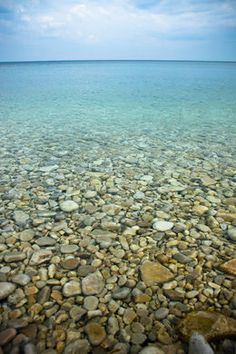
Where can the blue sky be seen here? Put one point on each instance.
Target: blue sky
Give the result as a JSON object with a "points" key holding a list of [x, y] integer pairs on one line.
{"points": [[117, 29]]}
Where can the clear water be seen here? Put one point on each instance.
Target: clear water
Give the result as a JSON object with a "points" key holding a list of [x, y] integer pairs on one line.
{"points": [[167, 129], [191, 103]]}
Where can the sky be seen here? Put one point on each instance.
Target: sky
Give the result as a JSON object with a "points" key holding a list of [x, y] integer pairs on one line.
{"points": [[117, 29]]}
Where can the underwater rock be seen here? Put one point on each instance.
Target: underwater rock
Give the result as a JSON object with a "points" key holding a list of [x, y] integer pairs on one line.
{"points": [[212, 325], [163, 225], [68, 206], [154, 273], [6, 289], [229, 266], [198, 345]]}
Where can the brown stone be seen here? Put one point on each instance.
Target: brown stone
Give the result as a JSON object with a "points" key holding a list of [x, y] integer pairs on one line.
{"points": [[70, 263], [7, 335], [154, 273], [212, 325], [230, 217], [95, 332], [142, 298], [30, 331], [230, 201], [229, 266]]}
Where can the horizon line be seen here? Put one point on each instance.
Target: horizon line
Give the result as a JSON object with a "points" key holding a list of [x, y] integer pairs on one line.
{"points": [[113, 60]]}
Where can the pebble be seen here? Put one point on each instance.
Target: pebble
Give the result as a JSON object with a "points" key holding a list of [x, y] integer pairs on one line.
{"points": [[93, 284], [121, 293], [26, 235], [232, 234], [68, 206], [40, 257], [6, 289], [7, 335], [14, 257], [70, 263], [198, 345], [69, 248], [91, 303], [151, 350], [161, 313], [45, 241], [96, 333], [154, 273], [78, 346], [163, 225], [20, 217], [21, 279], [72, 288]]}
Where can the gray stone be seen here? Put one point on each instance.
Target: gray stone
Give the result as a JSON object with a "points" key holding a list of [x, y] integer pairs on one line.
{"points": [[161, 313], [139, 195], [20, 217], [121, 293], [68, 206], [21, 279], [151, 350], [7, 335], [40, 257], [72, 288], [48, 169], [103, 237], [14, 257], [181, 258], [91, 303], [232, 234], [78, 346], [6, 289], [45, 241], [30, 348], [26, 235], [113, 325], [93, 284], [69, 248], [163, 225], [198, 345], [85, 270]]}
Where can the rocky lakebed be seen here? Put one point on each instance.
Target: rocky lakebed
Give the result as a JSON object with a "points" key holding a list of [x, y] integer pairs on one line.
{"points": [[116, 242]]}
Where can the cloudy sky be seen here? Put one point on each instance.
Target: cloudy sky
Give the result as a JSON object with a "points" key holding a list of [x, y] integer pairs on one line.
{"points": [[117, 29]]}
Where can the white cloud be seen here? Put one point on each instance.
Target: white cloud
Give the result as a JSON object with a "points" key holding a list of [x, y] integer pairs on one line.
{"points": [[104, 21]]}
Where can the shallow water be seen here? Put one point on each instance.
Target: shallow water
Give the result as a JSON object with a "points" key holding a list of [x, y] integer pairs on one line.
{"points": [[132, 143]]}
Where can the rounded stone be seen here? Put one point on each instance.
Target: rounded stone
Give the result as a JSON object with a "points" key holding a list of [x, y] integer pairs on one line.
{"points": [[232, 234], [69, 248], [21, 279], [163, 225], [91, 303], [68, 206], [72, 288], [70, 263], [151, 350], [45, 241], [93, 284], [96, 333], [161, 313], [6, 289], [26, 235]]}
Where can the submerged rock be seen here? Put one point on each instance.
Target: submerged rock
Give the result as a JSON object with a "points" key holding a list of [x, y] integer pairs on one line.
{"points": [[154, 273], [229, 266], [198, 345], [163, 225], [68, 206], [212, 325], [6, 289]]}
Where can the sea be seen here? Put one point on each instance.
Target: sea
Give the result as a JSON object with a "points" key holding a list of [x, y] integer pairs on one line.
{"points": [[143, 153]]}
